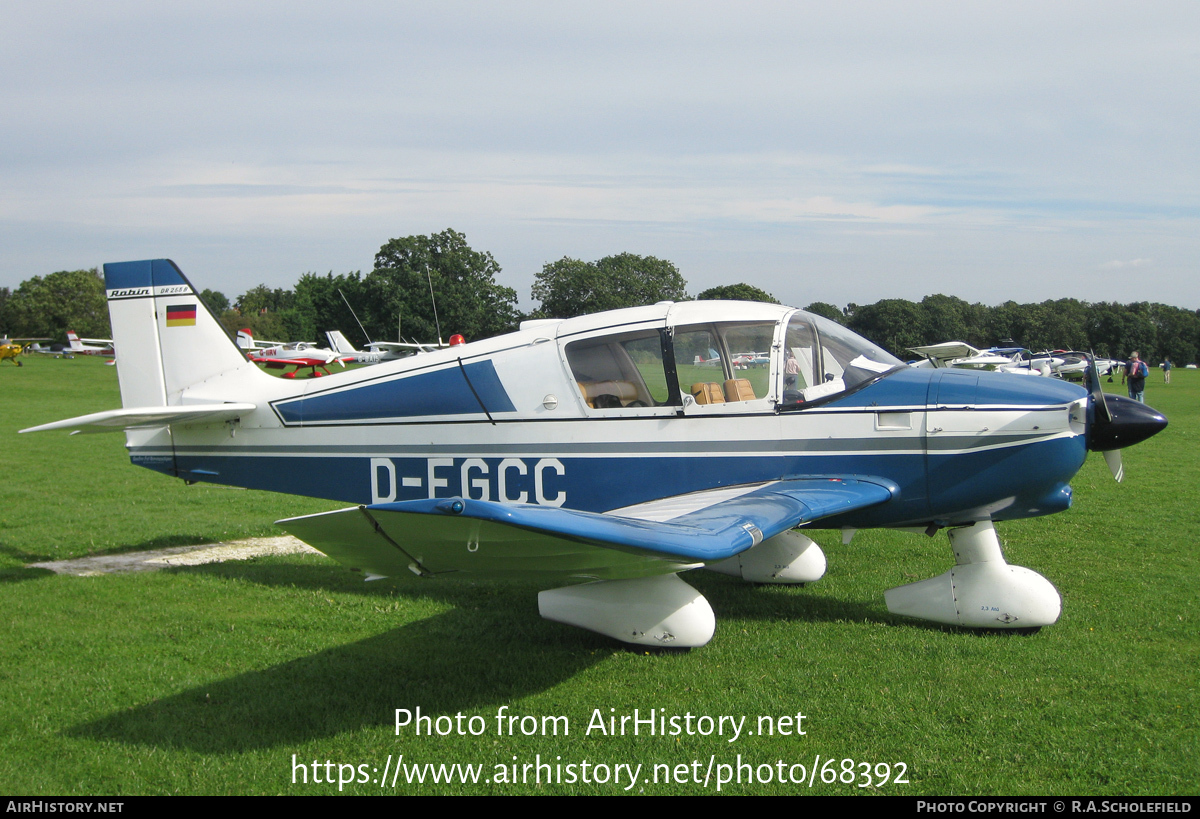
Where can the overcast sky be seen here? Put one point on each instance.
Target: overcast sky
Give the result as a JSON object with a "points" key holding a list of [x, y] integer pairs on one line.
{"points": [[839, 152]]}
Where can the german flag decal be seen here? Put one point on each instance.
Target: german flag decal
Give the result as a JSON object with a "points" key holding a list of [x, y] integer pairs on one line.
{"points": [[181, 315]]}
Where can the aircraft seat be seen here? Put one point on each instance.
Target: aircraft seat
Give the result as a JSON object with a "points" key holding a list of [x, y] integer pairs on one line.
{"points": [[708, 392], [739, 389], [608, 394]]}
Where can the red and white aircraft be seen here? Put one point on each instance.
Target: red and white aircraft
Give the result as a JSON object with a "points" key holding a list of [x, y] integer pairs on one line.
{"points": [[298, 354], [85, 346]]}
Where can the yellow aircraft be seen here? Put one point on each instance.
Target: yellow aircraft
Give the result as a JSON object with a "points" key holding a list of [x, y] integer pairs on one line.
{"points": [[11, 348]]}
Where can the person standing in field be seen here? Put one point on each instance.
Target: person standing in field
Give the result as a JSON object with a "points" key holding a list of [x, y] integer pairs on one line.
{"points": [[1135, 377], [1167, 371]]}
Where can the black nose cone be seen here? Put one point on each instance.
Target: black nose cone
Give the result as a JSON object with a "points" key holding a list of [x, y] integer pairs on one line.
{"points": [[1132, 422]]}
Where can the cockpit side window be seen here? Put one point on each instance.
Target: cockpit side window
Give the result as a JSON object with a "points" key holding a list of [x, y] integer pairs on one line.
{"points": [[699, 365], [725, 362], [823, 359], [801, 360], [749, 348]]}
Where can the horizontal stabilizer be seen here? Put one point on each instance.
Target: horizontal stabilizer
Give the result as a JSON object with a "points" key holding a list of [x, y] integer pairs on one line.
{"points": [[148, 417], [483, 538]]}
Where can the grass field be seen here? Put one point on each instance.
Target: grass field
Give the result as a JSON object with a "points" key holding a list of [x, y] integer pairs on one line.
{"points": [[213, 679]]}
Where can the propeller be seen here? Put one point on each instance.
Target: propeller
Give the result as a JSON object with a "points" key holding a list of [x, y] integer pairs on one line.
{"points": [[1096, 389], [1117, 421]]}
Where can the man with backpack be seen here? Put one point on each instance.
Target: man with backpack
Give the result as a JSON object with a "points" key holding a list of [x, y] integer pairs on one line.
{"points": [[1135, 376]]}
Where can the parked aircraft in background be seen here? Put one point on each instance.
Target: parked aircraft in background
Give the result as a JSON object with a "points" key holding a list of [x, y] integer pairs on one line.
{"points": [[278, 355], [1104, 366], [74, 346], [298, 354], [958, 354], [377, 351], [78, 346], [596, 456], [1015, 360], [1074, 365], [11, 348], [1028, 361], [742, 361]]}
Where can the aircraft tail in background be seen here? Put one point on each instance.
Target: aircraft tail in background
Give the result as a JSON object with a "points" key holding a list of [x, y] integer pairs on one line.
{"points": [[339, 343]]}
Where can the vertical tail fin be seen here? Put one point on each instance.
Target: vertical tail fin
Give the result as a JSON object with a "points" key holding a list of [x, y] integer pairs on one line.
{"points": [[166, 337], [73, 341], [339, 343]]}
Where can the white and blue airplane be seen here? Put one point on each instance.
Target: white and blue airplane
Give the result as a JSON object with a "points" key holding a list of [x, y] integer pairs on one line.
{"points": [[595, 456], [377, 352]]}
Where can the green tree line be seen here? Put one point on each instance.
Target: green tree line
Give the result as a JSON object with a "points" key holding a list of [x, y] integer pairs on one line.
{"points": [[427, 287], [1114, 330]]}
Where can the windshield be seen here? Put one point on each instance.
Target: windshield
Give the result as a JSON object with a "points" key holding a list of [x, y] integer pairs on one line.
{"points": [[822, 358]]}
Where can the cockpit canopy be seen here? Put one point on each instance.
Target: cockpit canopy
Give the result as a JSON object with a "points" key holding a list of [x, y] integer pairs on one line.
{"points": [[786, 361]]}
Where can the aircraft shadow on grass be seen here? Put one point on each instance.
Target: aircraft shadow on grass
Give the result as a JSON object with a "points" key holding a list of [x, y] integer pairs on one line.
{"points": [[766, 603], [501, 654], [351, 687]]}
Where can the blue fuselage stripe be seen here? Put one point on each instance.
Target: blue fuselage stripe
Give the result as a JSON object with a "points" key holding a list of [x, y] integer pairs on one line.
{"points": [[1021, 481], [442, 392]]}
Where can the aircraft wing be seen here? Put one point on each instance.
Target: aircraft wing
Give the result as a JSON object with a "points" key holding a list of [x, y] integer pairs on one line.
{"points": [[946, 350], [148, 417], [402, 345], [484, 538]]}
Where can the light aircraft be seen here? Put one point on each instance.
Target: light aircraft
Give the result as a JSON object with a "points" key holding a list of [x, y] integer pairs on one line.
{"points": [[743, 361], [1027, 362], [298, 354], [962, 355], [78, 346], [958, 354], [278, 355], [11, 348], [1074, 365], [38, 348], [574, 453], [377, 352]]}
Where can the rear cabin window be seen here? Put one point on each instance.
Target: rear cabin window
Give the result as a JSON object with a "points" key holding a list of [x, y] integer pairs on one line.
{"points": [[615, 372]]}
